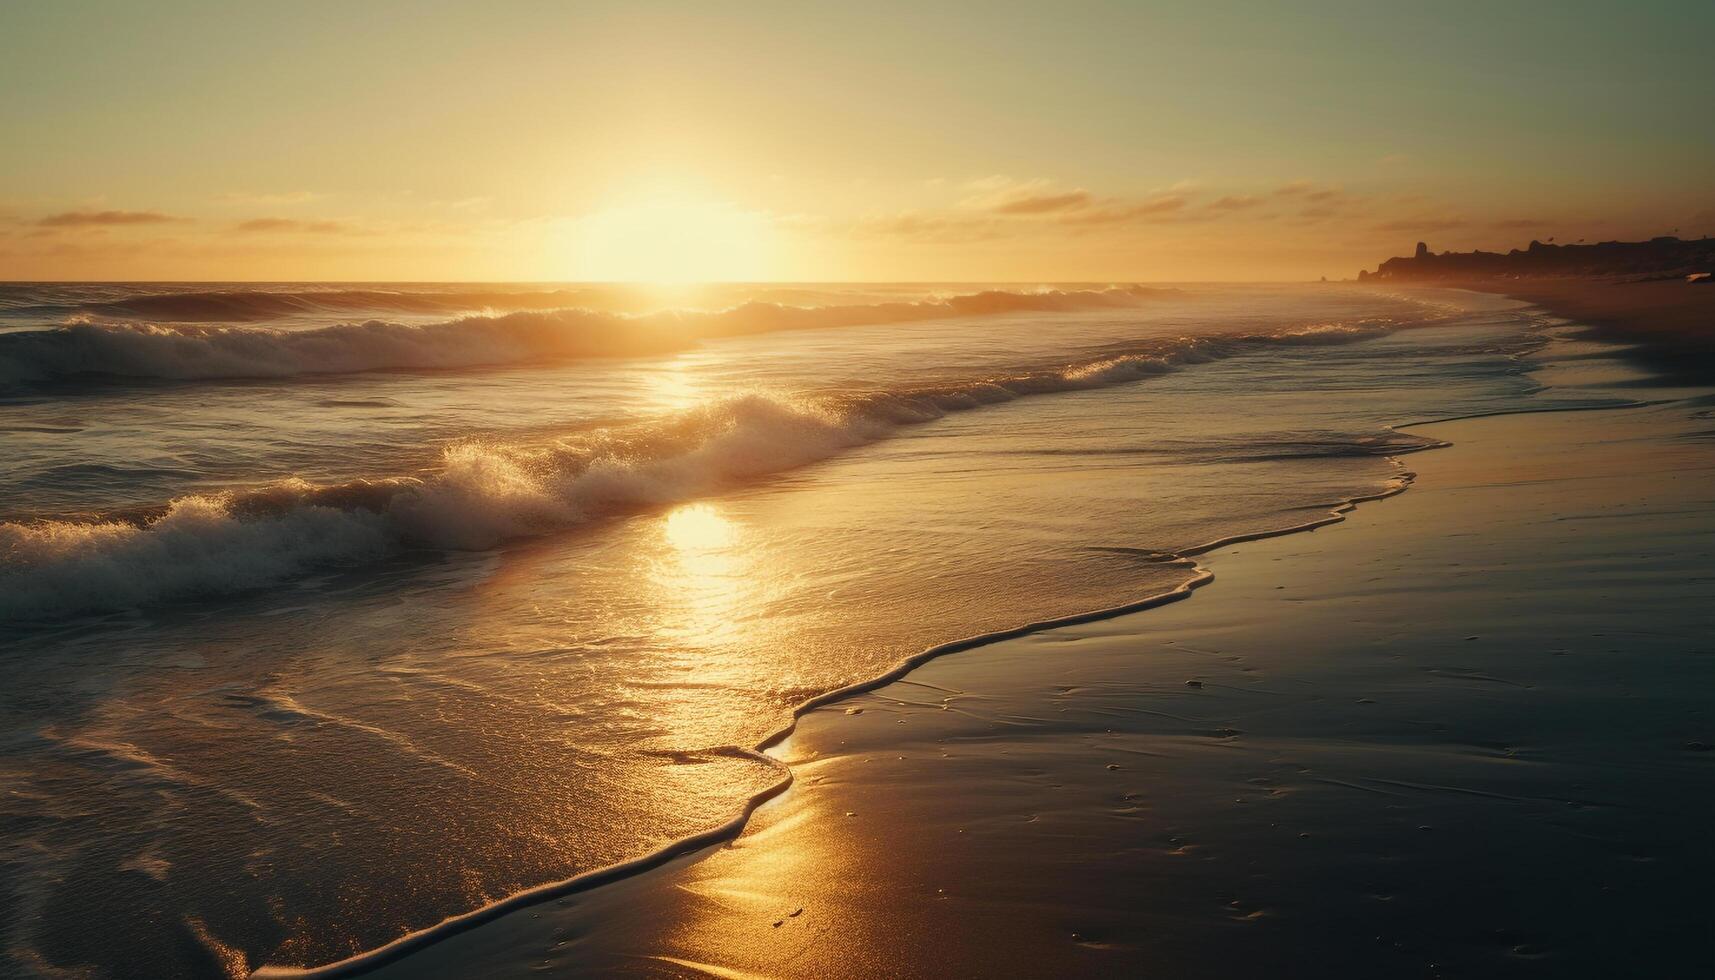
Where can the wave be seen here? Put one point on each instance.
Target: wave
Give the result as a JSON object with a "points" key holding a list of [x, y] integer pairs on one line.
{"points": [[484, 493], [253, 305], [92, 351]]}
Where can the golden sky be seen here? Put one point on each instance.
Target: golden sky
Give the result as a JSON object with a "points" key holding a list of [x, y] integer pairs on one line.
{"points": [[526, 141]]}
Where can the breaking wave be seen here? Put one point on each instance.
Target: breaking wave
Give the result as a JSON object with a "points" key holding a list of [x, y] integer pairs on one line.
{"points": [[254, 305], [484, 493], [92, 351]]}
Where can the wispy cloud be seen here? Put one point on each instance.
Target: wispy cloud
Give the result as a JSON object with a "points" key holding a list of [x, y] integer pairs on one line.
{"points": [[1006, 195], [1183, 185], [1044, 203], [1119, 213], [1309, 190], [931, 228], [293, 226], [105, 219], [1422, 225], [999, 206], [1233, 202]]}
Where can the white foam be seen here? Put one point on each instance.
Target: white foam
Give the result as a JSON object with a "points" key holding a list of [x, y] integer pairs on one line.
{"points": [[483, 494]]}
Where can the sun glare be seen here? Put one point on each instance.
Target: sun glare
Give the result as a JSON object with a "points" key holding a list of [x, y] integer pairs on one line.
{"points": [[673, 241], [697, 528]]}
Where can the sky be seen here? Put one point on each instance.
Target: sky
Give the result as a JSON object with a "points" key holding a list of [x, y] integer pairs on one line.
{"points": [[1179, 140]]}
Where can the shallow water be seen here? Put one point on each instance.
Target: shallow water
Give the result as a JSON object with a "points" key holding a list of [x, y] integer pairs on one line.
{"points": [[303, 662]]}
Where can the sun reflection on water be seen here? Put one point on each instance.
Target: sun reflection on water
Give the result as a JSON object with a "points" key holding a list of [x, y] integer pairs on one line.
{"points": [[674, 386], [703, 578], [697, 529]]}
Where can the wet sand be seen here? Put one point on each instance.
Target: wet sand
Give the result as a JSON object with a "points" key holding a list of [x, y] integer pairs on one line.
{"points": [[1672, 321], [1463, 734]]}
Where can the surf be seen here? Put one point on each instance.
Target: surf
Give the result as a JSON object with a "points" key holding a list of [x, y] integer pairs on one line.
{"points": [[484, 493], [94, 352]]}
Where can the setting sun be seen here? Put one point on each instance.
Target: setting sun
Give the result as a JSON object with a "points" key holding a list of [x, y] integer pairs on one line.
{"points": [[672, 241]]}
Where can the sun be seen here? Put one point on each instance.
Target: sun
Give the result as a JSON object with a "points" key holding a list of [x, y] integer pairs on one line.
{"points": [[674, 241]]}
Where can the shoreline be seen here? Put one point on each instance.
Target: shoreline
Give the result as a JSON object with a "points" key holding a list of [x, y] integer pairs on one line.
{"points": [[694, 846], [608, 919]]}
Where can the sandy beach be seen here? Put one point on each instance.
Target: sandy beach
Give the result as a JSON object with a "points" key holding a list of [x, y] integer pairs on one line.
{"points": [[1464, 733]]}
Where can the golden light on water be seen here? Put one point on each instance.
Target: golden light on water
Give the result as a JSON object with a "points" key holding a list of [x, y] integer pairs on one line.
{"points": [[695, 529], [703, 579], [675, 386]]}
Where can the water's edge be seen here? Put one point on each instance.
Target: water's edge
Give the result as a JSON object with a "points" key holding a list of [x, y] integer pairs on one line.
{"points": [[1200, 576]]}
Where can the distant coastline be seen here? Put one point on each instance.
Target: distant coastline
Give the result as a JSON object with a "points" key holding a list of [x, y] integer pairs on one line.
{"points": [[1666, 257]]}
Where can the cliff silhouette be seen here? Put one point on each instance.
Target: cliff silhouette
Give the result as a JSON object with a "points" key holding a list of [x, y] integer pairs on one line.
{"points": [[1659, 258]]}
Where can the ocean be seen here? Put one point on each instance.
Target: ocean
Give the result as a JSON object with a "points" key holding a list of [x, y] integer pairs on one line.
{"points": [[331, 612]]}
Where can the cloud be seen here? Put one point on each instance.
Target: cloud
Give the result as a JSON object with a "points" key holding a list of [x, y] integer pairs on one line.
{"points": [[1394, 159], [998, 206], [1006, 195], [1044, 203], [105, 219], [1038, 197], [927, 228], [1308, 190], [1233, 202], [1184, 185], [1422, 225], [292, 226], [1152, 208]]}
